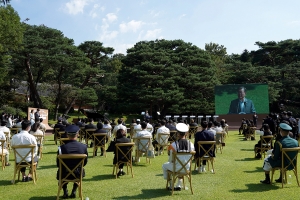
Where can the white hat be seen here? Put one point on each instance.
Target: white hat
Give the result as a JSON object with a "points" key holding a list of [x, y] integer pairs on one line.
{"points": [[181, 127], [138, 120]]}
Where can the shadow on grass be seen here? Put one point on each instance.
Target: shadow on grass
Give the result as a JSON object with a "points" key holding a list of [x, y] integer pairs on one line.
{"points": [[8, 182], [246, 159], [256, 187], [101, 177], [148, 193], [43, 198], [258, 169], [50, 152], [247, 150], [46, 167]]}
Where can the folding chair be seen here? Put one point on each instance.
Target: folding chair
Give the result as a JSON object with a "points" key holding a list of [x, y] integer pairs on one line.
{"points": [[142, 146], [219, 141], [71, 171], [56, 130], [63, 141], [100, 141], [184, 169], [108, 131], [173, 136], [135, 131], [162, 139], [192, 131], [89, 135], [226, 129], [23, 163], [39, 140], [123, 154], [7, 136], [2, 153], [251, 133], [288, 162], [202, 146], [13, 131], [81, 133], [265, 145]]}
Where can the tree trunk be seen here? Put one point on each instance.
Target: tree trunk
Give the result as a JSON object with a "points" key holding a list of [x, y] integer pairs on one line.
{"points": [[85, 82], [58, 96], [36, 98]]}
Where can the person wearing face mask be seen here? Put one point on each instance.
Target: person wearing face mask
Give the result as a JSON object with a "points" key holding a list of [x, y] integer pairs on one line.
{"points": [[275, 160]]}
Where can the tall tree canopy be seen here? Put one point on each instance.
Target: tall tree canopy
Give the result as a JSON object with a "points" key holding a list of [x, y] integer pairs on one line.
{"points": [[167, 76]]}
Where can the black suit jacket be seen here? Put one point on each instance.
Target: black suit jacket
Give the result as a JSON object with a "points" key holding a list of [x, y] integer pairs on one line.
{"points": [[235, 107], [204, 135], [124, 149], [72, 147]]}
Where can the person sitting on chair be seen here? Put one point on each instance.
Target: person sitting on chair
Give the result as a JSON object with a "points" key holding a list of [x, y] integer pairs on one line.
{"points": [[121, 138], [162, 129], [24, 138], [266, 132], [5, 151], [203, 135], [72, 147], [275, 160], [100, 130], [141, 134], [180, 145]]}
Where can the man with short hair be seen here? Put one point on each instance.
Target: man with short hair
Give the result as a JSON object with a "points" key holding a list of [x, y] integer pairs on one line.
{"points": [[72, 147], [180, 145], [162, 129], [149, 126], [119, 126], [37, 115], [143, 133], [203, 135], [24, 138], [275, 160], [170, 126], [241, 105]]}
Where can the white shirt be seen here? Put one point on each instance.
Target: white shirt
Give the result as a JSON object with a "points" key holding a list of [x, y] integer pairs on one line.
{"points": [[38, 132], [2, 137], [162, 129], [150, 128], [119, 126], [143, 133], [213, 131], [24, 138], [183, 158], [108, 126], [9, 123], [5, 129]]}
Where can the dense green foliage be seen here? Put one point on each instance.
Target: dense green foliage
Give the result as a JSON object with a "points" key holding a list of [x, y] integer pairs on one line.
{"points": [[170, 76]]}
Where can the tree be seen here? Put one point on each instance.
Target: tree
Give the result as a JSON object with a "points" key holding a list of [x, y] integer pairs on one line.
{"points": [[97, 55], [48, 57], [166, 76], [11, 36]]}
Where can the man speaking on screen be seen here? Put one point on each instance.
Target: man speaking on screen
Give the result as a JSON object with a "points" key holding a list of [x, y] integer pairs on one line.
{"points": [[241, 105]]}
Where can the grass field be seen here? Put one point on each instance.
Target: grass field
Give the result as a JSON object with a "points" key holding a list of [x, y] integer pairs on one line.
{"points": [[237, 177]]}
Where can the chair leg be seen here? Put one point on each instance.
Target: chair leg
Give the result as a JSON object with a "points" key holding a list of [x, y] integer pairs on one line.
{"points": [[58, 193], [296, 175]]}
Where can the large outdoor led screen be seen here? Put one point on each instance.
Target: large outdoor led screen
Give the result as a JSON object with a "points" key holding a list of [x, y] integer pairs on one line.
{"points": [[241, 99]]}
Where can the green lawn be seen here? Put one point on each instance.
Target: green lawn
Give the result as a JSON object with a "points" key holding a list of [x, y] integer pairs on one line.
{"points": [[237, 177]]}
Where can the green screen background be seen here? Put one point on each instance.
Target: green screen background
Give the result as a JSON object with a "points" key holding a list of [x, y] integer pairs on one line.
{"points": [[258, 93]]}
